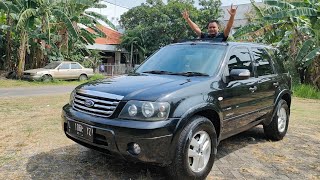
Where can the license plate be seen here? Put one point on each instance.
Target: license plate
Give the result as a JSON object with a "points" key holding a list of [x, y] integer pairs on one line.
{"points": [[80, 130]]}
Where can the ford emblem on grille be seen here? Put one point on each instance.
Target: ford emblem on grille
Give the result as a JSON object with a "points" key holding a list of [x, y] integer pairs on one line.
{"points": [[88, 103]]}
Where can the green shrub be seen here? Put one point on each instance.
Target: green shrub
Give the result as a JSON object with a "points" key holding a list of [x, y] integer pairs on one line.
{"points": [[306, 91], [97, 77]]}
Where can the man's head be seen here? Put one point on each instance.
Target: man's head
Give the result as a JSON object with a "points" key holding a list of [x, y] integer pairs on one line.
{"points": [[213, 27]]}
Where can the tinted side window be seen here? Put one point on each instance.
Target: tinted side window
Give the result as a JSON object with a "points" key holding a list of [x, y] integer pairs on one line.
{"points": [[75, 66], [240, 59], [276, 57], [262, 62], [65, 66]]}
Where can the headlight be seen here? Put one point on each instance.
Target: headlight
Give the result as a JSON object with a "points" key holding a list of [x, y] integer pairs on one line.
{"points": [[132, 110], [39, 73], [147, 109], [144, 110], [72, 94]]}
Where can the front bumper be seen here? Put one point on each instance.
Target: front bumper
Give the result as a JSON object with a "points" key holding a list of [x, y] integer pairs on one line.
{"points": [[32, 77], [116, 136]]}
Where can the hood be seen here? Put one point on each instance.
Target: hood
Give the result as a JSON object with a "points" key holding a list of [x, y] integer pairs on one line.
{"points": [[35, 70], [142, 87]]}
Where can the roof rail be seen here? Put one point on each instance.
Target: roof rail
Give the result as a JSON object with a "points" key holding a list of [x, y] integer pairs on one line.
{"points": [[204, 40]]}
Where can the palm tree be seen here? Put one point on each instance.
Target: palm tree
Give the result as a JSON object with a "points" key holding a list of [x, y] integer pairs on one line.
{"points": [[134, 40]]}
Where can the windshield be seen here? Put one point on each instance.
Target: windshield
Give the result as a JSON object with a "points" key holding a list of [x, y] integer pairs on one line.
{"points": [[197, 58], [52, 65]]}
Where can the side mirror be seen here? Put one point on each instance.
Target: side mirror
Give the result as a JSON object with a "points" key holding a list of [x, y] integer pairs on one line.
{"points": [[239, 74]]}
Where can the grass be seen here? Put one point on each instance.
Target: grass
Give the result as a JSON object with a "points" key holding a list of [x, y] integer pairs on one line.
{"points": [[10, 83], [306, 91]]}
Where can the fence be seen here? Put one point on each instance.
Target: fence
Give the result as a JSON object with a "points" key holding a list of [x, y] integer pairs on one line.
{"points": [[114, 69]]}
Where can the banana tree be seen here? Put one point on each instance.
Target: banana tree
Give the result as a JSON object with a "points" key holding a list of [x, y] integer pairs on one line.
{"points": [[24, 15], [65, 37], [75, 11], [51, 26], [6, 27], [306, 54], [287, 25], [2, 39]]}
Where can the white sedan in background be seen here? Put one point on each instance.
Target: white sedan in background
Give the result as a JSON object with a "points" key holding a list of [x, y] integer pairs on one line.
{"points": [[59, 70]]}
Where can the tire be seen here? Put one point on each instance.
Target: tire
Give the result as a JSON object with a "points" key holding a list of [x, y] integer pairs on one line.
{"points": [[83, 77], [12, 75], [278, 127], [46, 78], [191, 150]]}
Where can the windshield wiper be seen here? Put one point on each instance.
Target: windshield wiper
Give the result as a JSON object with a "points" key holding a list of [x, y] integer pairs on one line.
{"points": [[190, 73], [157, 72]]}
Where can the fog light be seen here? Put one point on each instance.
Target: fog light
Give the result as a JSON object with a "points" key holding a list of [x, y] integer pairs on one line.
{"points": [[134, 148]]}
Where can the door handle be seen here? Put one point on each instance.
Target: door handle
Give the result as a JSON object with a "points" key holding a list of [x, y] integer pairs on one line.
{"points": [[253, 89], [276, 83]]}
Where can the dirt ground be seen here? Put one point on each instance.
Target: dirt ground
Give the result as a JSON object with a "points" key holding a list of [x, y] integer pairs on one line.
{"points": [[33, 146]]}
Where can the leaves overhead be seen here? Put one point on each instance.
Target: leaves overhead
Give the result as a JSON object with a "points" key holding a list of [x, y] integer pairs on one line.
{"points": [[51, 26], [294, 27], [160, 24]]}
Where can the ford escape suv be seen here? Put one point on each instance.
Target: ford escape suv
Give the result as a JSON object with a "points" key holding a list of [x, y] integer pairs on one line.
{"points": [[180, 103]]}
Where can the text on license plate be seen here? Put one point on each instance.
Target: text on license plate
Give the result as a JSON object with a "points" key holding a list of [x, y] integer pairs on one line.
{"points": [[80, 129]]}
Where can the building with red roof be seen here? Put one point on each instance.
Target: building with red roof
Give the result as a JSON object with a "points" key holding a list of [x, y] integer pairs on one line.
{"points": [[115, 58]]}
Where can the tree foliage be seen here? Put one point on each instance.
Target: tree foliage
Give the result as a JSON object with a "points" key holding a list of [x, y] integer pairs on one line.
{"points": [[44, 30], [292, 26], [155, 24]]}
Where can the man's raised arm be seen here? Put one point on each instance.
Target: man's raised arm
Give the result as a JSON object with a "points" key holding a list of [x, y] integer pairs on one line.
{"points": [[232, 13], [193, 25]]}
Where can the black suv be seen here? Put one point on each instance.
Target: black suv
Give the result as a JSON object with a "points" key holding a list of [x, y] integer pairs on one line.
{"points": [[180, 103]]}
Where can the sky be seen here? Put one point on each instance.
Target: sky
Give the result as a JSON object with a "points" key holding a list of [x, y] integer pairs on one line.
{"points": [[132, 3], [117, 7]]}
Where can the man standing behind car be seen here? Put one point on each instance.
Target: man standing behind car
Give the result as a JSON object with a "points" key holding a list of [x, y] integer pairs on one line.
{"points": [[213, 26]]}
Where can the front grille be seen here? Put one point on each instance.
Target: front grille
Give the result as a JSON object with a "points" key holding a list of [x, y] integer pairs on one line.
{"points": [[101, 104], [27, 74]]}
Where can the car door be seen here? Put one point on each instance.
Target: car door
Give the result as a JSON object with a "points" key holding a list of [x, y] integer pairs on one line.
{"points": [[238, 98], [63, 71], [267, 80], [76, 70]]}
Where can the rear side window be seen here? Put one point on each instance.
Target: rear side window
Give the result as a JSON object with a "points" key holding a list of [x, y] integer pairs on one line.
{"points": [[240, 59], [65, 66], [277, 59], [75, 66], [262, 62]]}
